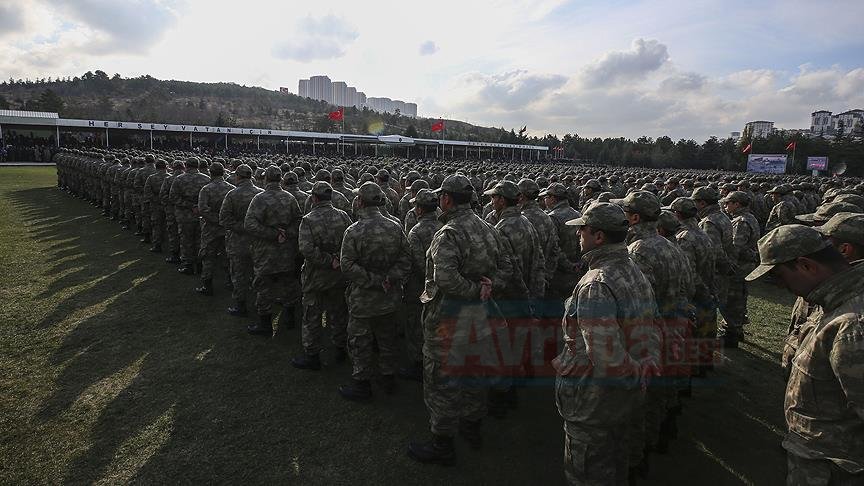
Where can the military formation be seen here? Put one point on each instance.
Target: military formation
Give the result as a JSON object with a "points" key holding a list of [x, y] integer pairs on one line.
{"points": [[478, 278]]}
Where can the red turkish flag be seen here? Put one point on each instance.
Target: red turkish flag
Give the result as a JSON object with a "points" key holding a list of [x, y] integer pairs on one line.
{"points": [[438, 126], [337, 115], [747, 148], [791, 145]]}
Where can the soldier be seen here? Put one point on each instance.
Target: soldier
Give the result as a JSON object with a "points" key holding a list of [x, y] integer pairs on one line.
{"points": [[139, 184], [152, 187], [410, 218], [184, 198], [290, 184], [528, 192], [419, 239], [323, 285], [745, 235], [237, 242], [598, 372], [177, 168], [671, 191], [465, 267], [824, 404], [375, 259], [784, 209], [714, 223], [272, 222], [566, 271], [589, 193], [212, 232]]}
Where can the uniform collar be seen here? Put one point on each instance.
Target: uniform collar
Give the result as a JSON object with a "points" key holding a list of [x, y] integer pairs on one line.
{"points": [[605, 254], [838, 288]]}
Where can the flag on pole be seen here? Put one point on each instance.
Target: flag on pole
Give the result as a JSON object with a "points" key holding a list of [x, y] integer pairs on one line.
{"points": [[438, 126], [337, 115], [747, 148], [791, 146]]}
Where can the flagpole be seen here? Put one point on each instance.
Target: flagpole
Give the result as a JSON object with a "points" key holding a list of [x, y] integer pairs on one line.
{"points": [[343, 129]]}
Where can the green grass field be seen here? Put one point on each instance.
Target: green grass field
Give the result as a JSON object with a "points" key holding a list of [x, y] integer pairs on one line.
{"points": [[114, 371]]}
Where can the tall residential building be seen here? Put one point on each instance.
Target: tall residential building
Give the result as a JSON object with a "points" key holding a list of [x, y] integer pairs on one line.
{"points": [[340, 93], [821, 123], [361, 99], [381, 105], [410, 110], [303, 88], [351, 98], [320, 88], [847, 121], [758, 129], [398, 105]]}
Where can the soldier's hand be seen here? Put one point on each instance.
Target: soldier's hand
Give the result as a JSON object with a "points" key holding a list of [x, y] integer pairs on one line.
{"points": [[647, 370], [485, 289], [281, 236]]}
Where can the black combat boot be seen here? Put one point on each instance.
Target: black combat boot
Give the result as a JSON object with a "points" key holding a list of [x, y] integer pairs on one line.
{"points": [[286, 318], [439, 450], [356, 391], [470, 431], [206, 287], [157, 248], [264, 326], [413, 372], [307, 362], [238, 309]]}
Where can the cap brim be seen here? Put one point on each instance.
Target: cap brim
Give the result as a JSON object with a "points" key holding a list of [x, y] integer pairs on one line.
{"points": [[491, 192], [807, 218], [759, 271], [413, 200], [580, 221], [437, 191], [619, 202]]}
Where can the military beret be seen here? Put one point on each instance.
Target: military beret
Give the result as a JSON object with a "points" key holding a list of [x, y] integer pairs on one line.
{"points": [[705, 193], [845, 227], [826, 211], [505, 188], [322, 188], [555, 189], [529, 188], [244, 171], [370, 192], [425, 197], [785, 244], [738, 197], [640, 202], [456, 184], [602, 216]]}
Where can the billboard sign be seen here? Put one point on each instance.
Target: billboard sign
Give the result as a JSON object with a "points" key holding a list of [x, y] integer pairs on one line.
{"points": [[767, 163], [817, 163]]}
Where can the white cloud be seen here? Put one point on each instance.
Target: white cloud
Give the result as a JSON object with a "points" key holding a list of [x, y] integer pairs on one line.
{"points": [[317, 38], [428, 48], [644, 57]]}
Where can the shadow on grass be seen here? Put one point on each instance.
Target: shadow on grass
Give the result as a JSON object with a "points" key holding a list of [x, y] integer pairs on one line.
{"points": [[166, 387]]}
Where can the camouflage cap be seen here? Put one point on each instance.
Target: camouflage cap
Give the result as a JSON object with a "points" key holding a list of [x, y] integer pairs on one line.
{"points": [[851, 199], [781, 189], [425, 197], [418, 184], [243, 170], [592, 184], [191, 162], [555, 189], [602, 216], [668, 221], [826, 211], [683, 205], [370, 192], [272, 173], [640, 202], [322, 188], [845, 227], [785, 244], [290, 178], [337, 175], [456, 184], [738, 197], [322, 175], [504, 188], [705, 193], [529, 188], [178, 165]]}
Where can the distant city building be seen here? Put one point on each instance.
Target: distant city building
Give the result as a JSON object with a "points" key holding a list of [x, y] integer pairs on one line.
{"points": [[848, 121], [821, 123], [824, 124], [758, 129], [340, 94], [735, 135]]}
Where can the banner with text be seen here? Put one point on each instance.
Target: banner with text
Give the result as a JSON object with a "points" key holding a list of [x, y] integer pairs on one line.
{"points": [[767, 163]]}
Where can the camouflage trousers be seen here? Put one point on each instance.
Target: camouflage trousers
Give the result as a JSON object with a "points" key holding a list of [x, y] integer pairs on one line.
{"points": [[190, 235], [595, 455], [282, 288], [144, 215], [106, 197], [240, 269], [128, 213], [735, 314], [315, 305], [172, 232], [363, 335], [157, 224], [116, 205], [818, 472], [414, 331], [450, 399], [212, 245]]}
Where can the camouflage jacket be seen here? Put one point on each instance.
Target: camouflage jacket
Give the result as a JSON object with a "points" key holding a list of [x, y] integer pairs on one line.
{"points": [[209, 205], [568, 236], [663, 264], [270, 211], [232, 216], [609, 332], [141, 178], [824, 402], [374, 249], [184, 194], [666, 198], [782, 213], [165, 195], [320, 241], [523, 245], [338, 201], [745, 235], [153, 186], [699, 250], [547, 235], [419, 240], [718, 227]]}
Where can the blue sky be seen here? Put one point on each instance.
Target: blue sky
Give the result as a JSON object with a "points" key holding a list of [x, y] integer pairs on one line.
{"points": [[596, 68]]}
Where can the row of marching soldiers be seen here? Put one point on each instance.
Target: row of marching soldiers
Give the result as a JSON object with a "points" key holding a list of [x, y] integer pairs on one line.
{"points": [[639, 285]]}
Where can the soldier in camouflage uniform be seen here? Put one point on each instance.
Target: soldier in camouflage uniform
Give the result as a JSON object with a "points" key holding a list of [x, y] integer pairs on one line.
{"points": [[543, 225], [232, 215], [824, 404], [139, 185], [184, 198], [212, 232], [566, 272], [466, 267], [272, 222], [611, 343], [323, 285], [410, 218], [784, 209], [419, 239], [171, 231], [745, 234], [152, 187], [714, 223], [375, 259], [671, 191]]}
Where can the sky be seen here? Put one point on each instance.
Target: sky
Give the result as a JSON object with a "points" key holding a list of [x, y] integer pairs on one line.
{"points": [[686, 69]]}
